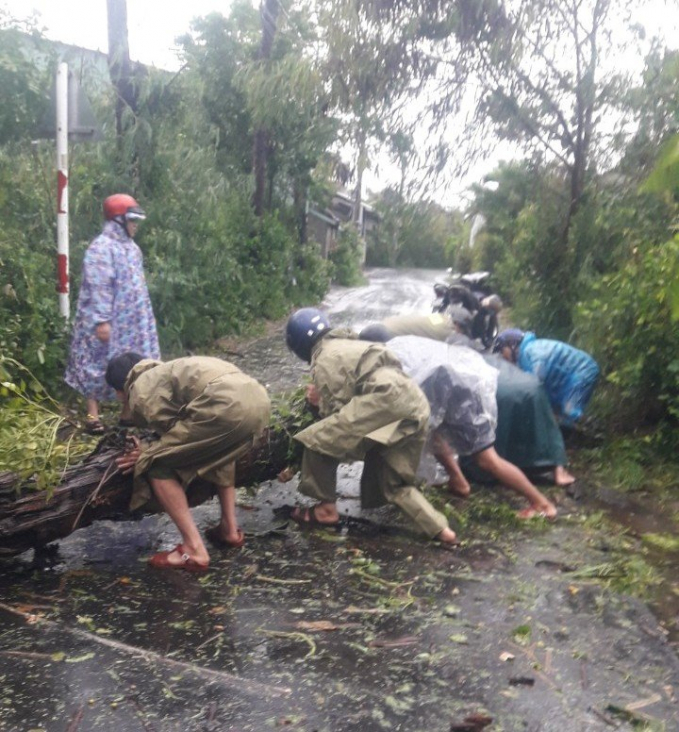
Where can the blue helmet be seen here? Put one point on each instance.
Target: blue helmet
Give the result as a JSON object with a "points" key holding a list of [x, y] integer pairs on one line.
{"points": [[304, 328], [511, 337]]}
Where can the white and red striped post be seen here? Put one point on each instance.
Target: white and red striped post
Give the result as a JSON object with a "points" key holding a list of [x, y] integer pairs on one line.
{"points": [[62, 189]]}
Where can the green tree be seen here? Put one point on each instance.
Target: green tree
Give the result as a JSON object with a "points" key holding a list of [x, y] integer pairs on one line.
{"points": [[120, 66], [214, 52], [23, 85], [654, 103], [268, 10], [529, 72], [264, 91], [427, 234], [369, 75]]}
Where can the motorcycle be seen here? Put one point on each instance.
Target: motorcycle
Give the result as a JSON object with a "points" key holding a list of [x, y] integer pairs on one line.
{"points": [[472, 292]]}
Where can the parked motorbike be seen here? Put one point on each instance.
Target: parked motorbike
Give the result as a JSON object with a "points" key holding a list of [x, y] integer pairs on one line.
{"points": [[473, 293]]}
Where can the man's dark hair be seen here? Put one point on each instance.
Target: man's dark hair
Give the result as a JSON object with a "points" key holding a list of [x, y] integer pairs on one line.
{"points": [[119, 367]]}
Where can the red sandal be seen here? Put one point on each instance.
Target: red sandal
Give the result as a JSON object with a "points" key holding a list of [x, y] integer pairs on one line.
{"points": [[161, 561]]}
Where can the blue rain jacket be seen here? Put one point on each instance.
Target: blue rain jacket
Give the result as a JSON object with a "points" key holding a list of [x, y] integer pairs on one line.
{"points": [[568, 374]]}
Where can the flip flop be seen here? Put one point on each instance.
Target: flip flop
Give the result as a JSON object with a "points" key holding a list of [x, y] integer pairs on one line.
{"points": [[214, 535], [448, 546], [94, 426], [161, 561], [307, 517]]}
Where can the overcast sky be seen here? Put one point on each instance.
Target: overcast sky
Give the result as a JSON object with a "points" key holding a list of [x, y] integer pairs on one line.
{"points": [[153, 26]]}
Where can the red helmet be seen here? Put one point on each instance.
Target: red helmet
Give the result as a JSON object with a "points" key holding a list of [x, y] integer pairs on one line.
{"points": [[124, 206]]}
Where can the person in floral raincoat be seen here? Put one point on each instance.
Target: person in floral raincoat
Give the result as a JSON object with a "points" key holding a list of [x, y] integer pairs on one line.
{"points": [[114, 312]]}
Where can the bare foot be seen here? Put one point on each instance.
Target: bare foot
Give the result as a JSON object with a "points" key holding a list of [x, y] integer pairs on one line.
{"points": [[448, 536], [547, 511], [458, 485], [562, 476]]}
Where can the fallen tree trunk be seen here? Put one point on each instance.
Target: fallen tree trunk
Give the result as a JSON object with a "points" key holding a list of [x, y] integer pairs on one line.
{"points": [[94, 489]]}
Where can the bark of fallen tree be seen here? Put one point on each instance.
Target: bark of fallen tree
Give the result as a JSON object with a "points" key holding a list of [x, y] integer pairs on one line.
{"points": [[28, 519]]}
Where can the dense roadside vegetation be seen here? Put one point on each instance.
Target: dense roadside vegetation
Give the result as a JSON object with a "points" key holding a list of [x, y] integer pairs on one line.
{"points": [[213, 266], [579, 229]]}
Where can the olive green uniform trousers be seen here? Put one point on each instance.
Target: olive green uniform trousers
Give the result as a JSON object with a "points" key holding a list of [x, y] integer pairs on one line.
{"points": [[373, 412]]}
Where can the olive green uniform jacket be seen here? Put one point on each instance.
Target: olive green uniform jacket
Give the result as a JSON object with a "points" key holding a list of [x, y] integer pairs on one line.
{"points": [[370, 411], [437, 326], [206, 411]]}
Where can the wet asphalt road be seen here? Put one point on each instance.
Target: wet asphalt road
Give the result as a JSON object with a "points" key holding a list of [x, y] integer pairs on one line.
{"points": [[366, 628]]}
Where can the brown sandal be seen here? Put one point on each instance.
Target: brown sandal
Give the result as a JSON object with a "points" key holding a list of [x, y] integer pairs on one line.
{"points": [[94, 426], [161, 561], [215, 536], [307, 517]]}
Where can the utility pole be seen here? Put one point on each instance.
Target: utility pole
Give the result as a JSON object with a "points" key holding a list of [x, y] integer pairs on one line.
{"points": [[62, 190], [72, 121]]}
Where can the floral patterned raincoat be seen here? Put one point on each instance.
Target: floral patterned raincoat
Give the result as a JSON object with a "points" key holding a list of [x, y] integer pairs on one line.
{"points": [[113, 290]]}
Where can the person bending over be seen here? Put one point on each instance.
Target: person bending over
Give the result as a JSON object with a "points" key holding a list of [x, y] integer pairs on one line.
{"points": [[370, 410], [569, 375], [460, 388], [207, 413], [527, 433]]}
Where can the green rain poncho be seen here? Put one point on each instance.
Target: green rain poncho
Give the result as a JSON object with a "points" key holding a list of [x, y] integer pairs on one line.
{"points": [[527, 433]]}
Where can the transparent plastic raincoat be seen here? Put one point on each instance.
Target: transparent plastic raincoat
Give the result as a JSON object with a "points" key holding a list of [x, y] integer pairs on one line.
{"points": [[460, 387]]}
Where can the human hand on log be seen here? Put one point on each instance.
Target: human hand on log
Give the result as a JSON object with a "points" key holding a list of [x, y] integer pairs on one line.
{"points": [[313, 395], [286, 474], [103, 332], [129, 458]]}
